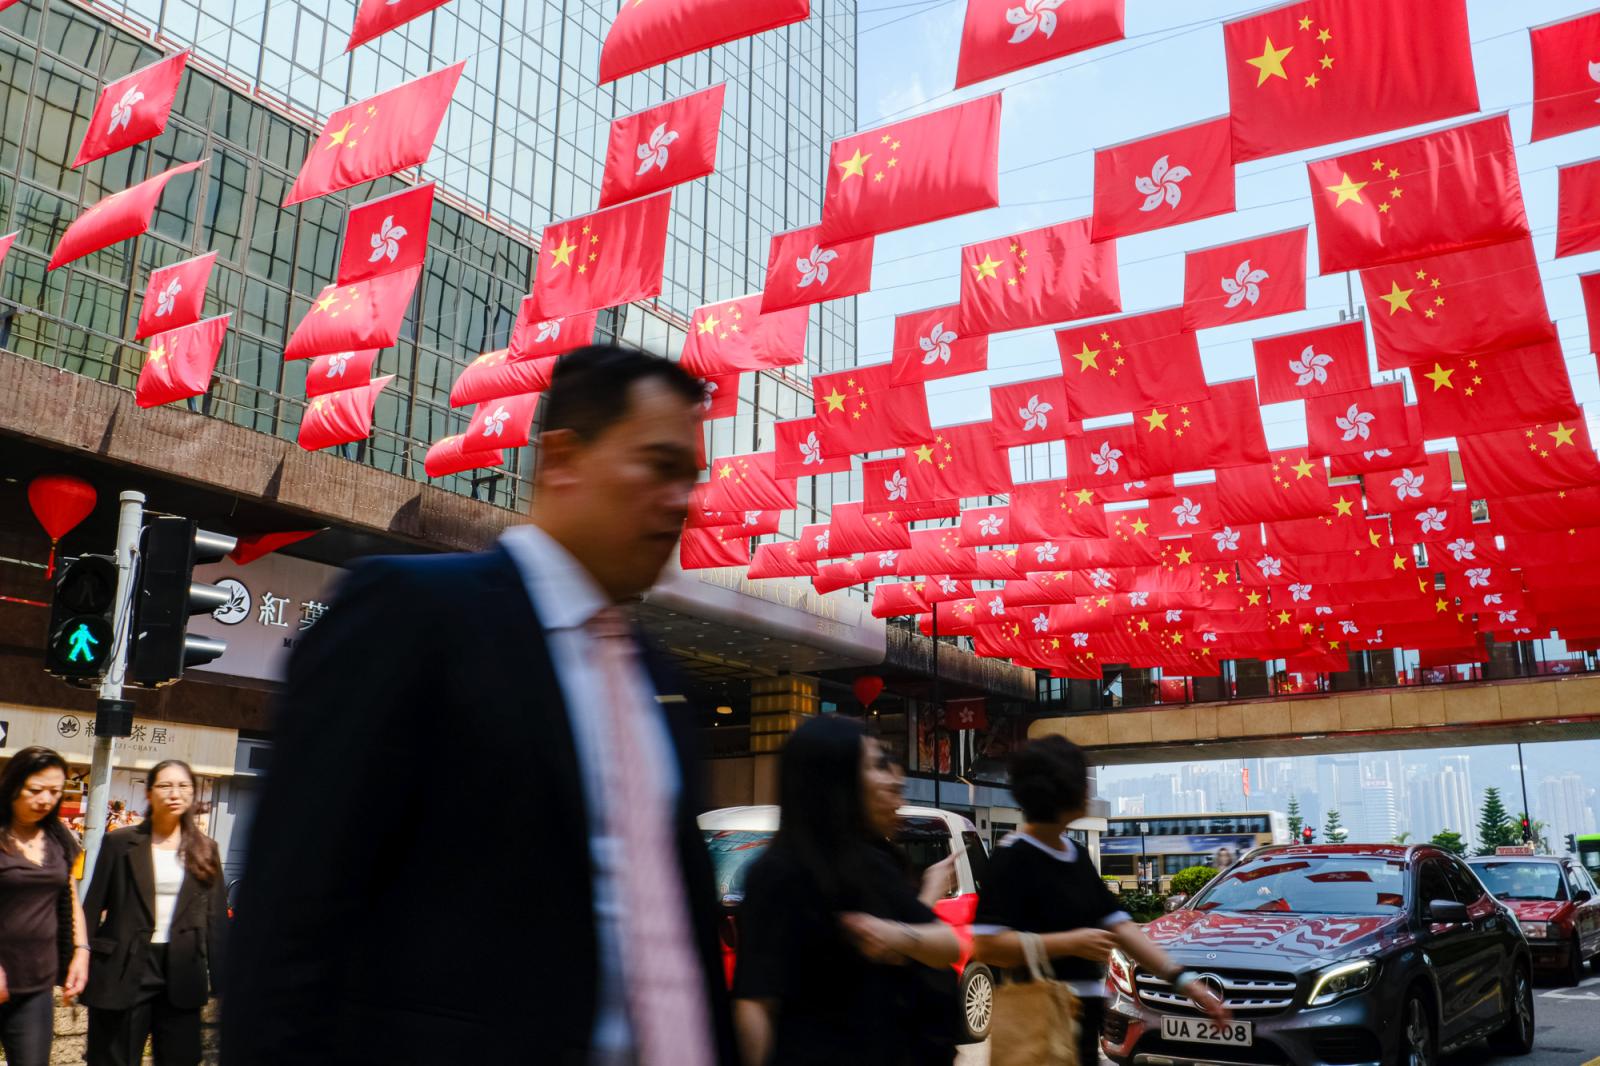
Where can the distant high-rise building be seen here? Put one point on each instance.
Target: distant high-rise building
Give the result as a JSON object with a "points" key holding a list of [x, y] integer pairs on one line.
{"points": [[1456, 810], [1379, 821], [1421, 804], [1564, 808]]}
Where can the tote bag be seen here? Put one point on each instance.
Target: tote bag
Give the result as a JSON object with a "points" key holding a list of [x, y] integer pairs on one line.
{"points": [[1036, 1022]]}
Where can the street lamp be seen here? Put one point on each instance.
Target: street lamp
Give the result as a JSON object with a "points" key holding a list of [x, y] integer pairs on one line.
{"points": [[1139, 874]]}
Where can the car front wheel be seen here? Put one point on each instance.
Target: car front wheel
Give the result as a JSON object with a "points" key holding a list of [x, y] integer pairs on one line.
{"points": [[1417, 1042], [1516, 1037], [977, 1001]]}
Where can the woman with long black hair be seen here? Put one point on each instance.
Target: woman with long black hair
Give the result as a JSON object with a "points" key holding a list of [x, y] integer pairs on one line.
{"points": [[839, 961], [41, 925], [157, 911]]}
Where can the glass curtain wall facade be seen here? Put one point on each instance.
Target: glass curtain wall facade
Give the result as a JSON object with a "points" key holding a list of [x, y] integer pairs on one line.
{"points": [[522, 144]]}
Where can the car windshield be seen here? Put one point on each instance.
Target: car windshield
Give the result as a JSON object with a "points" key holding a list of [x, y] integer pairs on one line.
{"points": [[732, 852], [1522, 880], [1309, 884]]}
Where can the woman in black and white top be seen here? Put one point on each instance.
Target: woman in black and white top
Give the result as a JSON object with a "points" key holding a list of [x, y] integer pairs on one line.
{"points": [[157, 911], [1040, 881]]}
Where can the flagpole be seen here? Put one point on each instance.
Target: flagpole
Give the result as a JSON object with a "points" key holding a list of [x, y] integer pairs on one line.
{"points": [[938, 712]]}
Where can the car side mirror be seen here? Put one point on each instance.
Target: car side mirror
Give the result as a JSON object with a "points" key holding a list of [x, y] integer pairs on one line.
{"points": [[1582, 896], [1448, 912]]}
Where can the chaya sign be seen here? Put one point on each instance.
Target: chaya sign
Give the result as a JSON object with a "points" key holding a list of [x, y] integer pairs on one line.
{"points": [[208, 749], [273, 603]]}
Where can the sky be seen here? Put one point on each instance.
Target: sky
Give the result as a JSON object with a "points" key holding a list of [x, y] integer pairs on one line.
{"points": [[1168, 72]]}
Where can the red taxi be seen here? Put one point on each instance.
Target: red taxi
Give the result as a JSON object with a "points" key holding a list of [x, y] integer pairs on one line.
{"points": [[1555, 902]]}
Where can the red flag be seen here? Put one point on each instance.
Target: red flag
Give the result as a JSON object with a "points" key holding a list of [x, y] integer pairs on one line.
{"points": [[1222, 430], [1577, 227], [1410, 488], [1329, 70], [801, 270], [1003, 35], [895, 598], [884, 488], [175, 296], [448, 456], [854, 530], [116, 218], [1029, 412], [611, 257], [1191, 510], [1100, 460], [1436, 522], [506, 422], [1590, 284], [750, 523], [1357, 421], [342, 370], [1446, 191], [1370, 459], [1042, 510], [1515, 462], [1131, 363], [1564, 92], [132, 109], [861, 411], [350, 318], [934, 166], [1500, 390], [6, 242], [1247, 279], [929, 344], [1163, 180], [722, 396], [956, 462], [966, 714], [706, 549], [253, 547], [985, 526], [748, 483], [1538, 511], [735, 335], [386, 235], [780, 560], [936, 551], [493, 375], [1292, 485], [342, 417], [800, 451], [1313, 362], [377, 17], [647, 35], [536, 337], [1479, 300], [180, 363], [377, 136], [1037, 278], [662, 146]]}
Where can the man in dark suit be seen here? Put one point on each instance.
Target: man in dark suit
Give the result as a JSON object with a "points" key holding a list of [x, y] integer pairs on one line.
{"points": [[477, 841]]}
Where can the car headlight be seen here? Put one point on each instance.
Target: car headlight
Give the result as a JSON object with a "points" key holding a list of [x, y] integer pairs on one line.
{"points": [[1338, 981], [1536, 930], [1120, 969]]}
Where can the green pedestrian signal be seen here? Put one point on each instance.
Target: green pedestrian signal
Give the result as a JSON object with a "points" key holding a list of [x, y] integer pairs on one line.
{"points": [[82, 641], [79, 641]]}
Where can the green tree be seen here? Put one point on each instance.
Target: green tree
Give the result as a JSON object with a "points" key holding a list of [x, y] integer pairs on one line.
{"points": [[1450, 841], [1333, 830], [1495, 827], [1188, 882], [1295, 821], [1401, 838]]}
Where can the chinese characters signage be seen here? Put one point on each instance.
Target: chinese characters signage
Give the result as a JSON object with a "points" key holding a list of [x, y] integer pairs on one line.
{"points": [[208, 749], [275, 601]]}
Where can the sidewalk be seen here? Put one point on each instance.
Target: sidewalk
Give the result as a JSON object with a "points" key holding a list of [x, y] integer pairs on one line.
{"points": [[72, 1030]]}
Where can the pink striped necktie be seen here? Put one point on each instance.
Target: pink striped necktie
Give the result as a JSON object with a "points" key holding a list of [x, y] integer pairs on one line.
{"points": [[665, 982]]}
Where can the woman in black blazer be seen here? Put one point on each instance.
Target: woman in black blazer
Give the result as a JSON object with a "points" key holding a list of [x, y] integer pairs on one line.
{"points": [[157, 912]]}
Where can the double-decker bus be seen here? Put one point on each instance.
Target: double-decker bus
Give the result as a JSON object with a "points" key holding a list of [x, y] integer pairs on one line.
{"points": [[1589, 853], [1150, 848]]}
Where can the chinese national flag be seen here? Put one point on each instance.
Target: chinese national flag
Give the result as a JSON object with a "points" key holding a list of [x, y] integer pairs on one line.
{"points": [[862, 411], [342, 417], [1163, 180], [645, 35], [611, 257], [855, 530], [377, 17], [536, 337], [662, 146], [377, 136], [1042, 510], [1515, 462], [348, 318], [1446, 191], [706, 549], [780, 560], [1538, 512], [748, 483], [936, 551], [1313, 362], [448, 456], [1479, 300], [1409, 488], [1222, 430], [1330, 70], [893, 599], [957, 462], [506, 422], [132, 109], [1030, 412], [929, 344], [116, 218], [926, 168], [330, 373], [494, 374], [735, 335], [1037, 278], [1293, 484], [1129, 364], [800, 450], [801, 270], [175, 296], [180, 363], [1500, 390], [1358, 421], [1564, 87], [957, 618], [1000, 36], [1578, 211], [387, 234], [1248, 279]]}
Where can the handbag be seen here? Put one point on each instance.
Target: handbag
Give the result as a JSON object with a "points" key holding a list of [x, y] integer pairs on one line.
{"points": [[1035, 1022]]}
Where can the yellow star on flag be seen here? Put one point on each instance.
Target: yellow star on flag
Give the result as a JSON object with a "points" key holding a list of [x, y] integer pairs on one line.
{"points": [[855, 166], [925, 454], [1562, 435], [1440, 377], [1156, 419], [1086, 358], [339, 136], [708, 324], [1269, 64], [1347, 190], [1303, 468], [561, 255], [158, 353], [835, 400], [1397, 298], [1085, 495], [1343, 506], [987, 268]]}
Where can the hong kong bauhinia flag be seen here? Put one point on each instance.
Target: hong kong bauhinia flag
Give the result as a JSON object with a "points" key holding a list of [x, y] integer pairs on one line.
{"points": [[1329, 70], [662, 146], [934, 166], [377, 17], [611, 257], [1130, 363], [1566, 93], [133, 109], [929, 344], [536, 337], [450, 456], [341, 370], [348, 318], [1039, 278], [387, 234], [1446, 191], [377, 136], [1031, 412], [1350, 422], [176, 295], [1249, 279], [802, 270], [645, 35], [179, 363], [1163, 180], [118, 217], [1312, 362], [506, 422], [1577, 224], [800, 453], [1005, 35], [342, 417]]}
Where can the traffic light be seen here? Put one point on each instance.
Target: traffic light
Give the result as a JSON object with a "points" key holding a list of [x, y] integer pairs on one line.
{"points": [[79, 641], [167, 594], [1572, 844], [1527, 830], [1308, 834]]}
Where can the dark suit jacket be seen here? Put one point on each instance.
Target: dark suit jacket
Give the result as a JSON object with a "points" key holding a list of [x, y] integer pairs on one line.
{"points": [[120, 911], [417, 889]]}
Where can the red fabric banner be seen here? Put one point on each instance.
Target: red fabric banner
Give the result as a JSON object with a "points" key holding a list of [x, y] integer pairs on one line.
{"points": [[748, 483], [1313, 362], [987, 526], [666, 145], [800, 452], [377, 17], [1031, 412], [957, 462], [1000, 36], [1515, 462], [1222, 430], [506, 422], [928, 344], [1041, 510], [1170, 178], [1578, 207], [449, 456], [253, 547], [801, 270], [735, 335], [1499, 390], [861, 411], [116, 218], [349, 318], [831, 577], [647, 35], [494, 374], [386, 235], [707, 549], [342, 370], [1357, 421], [1292, 484], [1564, 92], [175, 295], [780, 560], [1590, 284], [342, 417], [535, 337], [133, 109], [180, 363], [611, 257], [1037, 278], [1250, 279], [1410, 488], [856, 530], [1131, 363]]}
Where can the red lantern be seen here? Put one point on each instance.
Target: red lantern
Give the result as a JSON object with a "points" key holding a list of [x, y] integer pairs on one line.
{"points": [[868, 688], [59, 502]]}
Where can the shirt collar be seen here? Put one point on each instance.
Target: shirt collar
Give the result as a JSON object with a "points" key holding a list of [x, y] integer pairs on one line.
{"points": [[564, 594], [1068, 852]]}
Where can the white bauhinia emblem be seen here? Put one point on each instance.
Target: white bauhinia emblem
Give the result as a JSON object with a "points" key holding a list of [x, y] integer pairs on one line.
{"points": [[1129, 486], [1508, 616], [989, 525], [1161, 185], [1031, 16], [753, 518], [709, 400], [1138, 599], [822, 540], [1312, 366], [949, 586], [1244, 285], [1046, 552], [495, 424], [1036, 415], [1478, 577], [997, 606], [1227, 540], [122, 110], [1322, 611], [811, 450], [1080, 640], [1356, 423], [1300, 592], [1462, 549], [1041, 622], [167, 298], [1271, 566], [936, 345], [1187, 513], [1408, 486], [1105, 460], [653, 152], [1493, 599], [888, 559], [897, 486], [1100, 578], [1209, 637], [386, 241], [814, 267], [1349, 627], [1594, 75], [338, 364], [1175, 615], [550, 329]]}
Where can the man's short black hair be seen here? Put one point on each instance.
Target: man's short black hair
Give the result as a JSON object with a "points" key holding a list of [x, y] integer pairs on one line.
{"points": [[1049, 777], [589, 390]]}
